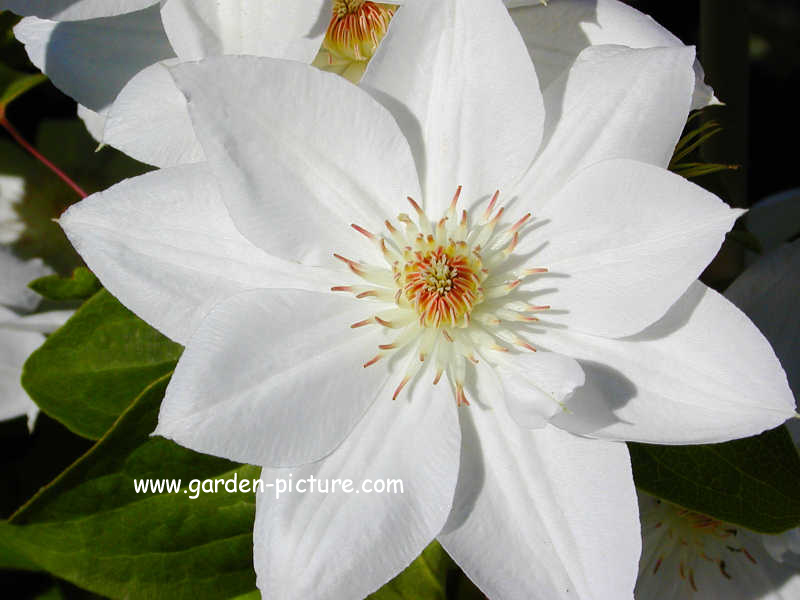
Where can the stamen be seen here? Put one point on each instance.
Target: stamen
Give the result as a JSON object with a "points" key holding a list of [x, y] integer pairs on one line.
{"points": [[400, 387], [438, 277], [363, 231], [371, 362]]}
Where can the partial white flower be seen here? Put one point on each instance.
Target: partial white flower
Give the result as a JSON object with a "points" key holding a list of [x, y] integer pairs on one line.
{"points": [[12, 190], [309, 291], [120, 59], [92, 50], [690, 555], [687, 554], [556, 32], [20, 335]]}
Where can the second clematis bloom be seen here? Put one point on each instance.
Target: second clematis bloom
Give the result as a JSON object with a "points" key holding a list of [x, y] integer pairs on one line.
{"points": [[442, 277], [111, 56]]}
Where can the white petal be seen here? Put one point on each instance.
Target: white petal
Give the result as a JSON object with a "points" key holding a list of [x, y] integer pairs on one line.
{"points": [[95, 122], [15, 347], [274, 377], [701, 374], [200, 28], [542, 513], [92, 60], [768, 292], [556, 34], [295, 174], [536, 384], [623, 241], [74, 10], [317, 546], [613, 103], [164, 244], [783, 546], [150, 121], [456, 76], [17, 274], [775, 219], [12, 192]]}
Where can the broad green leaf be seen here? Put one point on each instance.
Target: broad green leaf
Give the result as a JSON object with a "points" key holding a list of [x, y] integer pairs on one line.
{"points": [[426, 578], [9, 557], [79, 286], [14, 83], [754, 482], [90, 526], [91, 369]]}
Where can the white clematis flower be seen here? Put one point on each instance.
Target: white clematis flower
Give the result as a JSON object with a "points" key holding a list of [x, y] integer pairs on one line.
{"points": [[20, 335], [690, 555], [234, 258], [116, 53]]}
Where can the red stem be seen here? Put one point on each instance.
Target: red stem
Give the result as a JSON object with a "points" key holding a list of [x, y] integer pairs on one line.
{"points": [[38, 155]]}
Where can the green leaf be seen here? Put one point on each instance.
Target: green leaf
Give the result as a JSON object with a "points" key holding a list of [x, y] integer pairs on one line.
{"points": [[90, 527], [9, 557], [15, 83], [426, 577], [91, 369], [79, 286], [754, 482]]}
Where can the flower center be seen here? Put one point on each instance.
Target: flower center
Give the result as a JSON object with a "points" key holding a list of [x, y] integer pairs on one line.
{"points": [[442, 283], [356, 29], [447, 289], [691, 540]]}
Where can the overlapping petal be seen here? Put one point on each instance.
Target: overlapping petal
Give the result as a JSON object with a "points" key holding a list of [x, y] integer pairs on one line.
{"points": [[536, 385], [623, 241], [537, 513], [165, 245], [557, 33], [74, 10], [456, 77], [293, 384], [639, 114], [294, 175], [91, 60], [149, 121], [200, 28], [701, 374], [321, 546]]}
